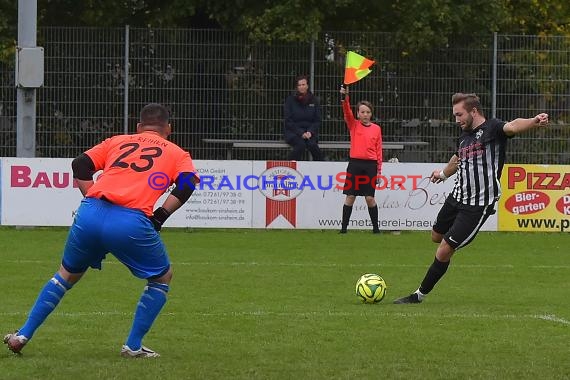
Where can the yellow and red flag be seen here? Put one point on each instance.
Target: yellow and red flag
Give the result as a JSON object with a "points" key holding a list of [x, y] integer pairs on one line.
{"points": [[356, 68]]}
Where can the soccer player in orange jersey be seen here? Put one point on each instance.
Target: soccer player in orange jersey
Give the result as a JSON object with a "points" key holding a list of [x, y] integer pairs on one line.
{"points": [[117, 216], [365, 164]]}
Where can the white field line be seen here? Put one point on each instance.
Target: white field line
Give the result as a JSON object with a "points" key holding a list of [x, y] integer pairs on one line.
{"points": [[308, 265], [269, 314], [552, 318]]}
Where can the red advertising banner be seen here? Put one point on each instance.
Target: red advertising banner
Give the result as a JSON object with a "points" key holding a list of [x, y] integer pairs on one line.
{"points": [[280, 199]]}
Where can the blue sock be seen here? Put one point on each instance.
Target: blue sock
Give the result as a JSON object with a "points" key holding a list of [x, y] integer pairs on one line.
{"points": [[148, 308], [47, 300]]}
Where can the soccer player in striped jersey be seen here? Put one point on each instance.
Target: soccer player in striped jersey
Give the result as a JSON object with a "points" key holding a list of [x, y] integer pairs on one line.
{"points": [[478, 164], [365, 162], [117, 216]]}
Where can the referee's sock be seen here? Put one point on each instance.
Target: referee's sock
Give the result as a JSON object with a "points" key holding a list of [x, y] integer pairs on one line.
{"points": [[373, 212], [346, 213], [435, 272]]}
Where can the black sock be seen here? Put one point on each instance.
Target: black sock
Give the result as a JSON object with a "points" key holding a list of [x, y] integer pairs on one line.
{"points": [[346, 212], [434, 273], [373, 212]]}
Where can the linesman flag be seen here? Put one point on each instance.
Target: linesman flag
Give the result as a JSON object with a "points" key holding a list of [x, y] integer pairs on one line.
{"points": [[357, 67]]}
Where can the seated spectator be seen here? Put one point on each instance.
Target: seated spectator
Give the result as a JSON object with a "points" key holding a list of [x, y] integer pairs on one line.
{"points": [[302, 121]]}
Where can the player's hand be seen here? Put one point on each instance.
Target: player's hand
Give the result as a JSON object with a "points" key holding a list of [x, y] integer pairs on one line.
{"points": [[436, 176], [158, 218], [343, 90], [157, 225], [541, 119]]}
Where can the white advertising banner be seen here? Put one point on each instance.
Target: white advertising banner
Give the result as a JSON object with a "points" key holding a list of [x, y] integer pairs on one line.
{"points": [[38, 192], [219, 200], [241, 194], [309, 195]]}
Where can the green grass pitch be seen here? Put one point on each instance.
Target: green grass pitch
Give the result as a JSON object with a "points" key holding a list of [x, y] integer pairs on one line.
{"points": [[255, 304]]}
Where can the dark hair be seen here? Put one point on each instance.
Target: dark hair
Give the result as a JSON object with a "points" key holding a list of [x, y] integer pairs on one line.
{"points": [[470, 101], [154, 114], [365, 103], [301, 77]]}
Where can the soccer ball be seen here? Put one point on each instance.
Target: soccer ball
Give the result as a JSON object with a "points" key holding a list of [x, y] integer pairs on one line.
{"points": [[371, 288]]}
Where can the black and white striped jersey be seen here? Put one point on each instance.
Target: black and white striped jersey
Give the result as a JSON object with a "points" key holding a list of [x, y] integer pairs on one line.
{"points": [[481, 155]]}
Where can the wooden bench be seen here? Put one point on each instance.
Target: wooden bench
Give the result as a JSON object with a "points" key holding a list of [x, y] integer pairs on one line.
{"points": [[273, 144]]}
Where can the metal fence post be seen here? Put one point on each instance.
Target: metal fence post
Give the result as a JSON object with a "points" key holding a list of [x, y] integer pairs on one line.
{"points": [[312, 66], [494, 88], [26, 95], [126, 84]]}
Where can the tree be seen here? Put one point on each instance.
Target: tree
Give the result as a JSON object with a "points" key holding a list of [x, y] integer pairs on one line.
{"points": [[419, 24]]}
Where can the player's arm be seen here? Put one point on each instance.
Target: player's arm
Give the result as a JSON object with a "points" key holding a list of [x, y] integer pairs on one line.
{"points": [[522, 125], [379, 157], [347, 112], [440, 175], [185, 186], [83, 170]]}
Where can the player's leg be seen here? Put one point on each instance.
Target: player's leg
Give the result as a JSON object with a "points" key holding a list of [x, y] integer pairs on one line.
{"points": [[148, 308], [81, 251], [444, 221], [369, 190], [436, 237], [350, 192], [446, 218], [346, 212], [298, 145], [466, 225], [46, 302], [373, 212], [469, 222], [436, 270], [137, 245]]}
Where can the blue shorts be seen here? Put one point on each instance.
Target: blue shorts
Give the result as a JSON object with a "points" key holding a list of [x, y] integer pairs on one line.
{"points": [[101, 227]]}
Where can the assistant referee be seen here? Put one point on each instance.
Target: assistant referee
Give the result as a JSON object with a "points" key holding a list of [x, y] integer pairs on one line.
{"points": [[365, 162]]}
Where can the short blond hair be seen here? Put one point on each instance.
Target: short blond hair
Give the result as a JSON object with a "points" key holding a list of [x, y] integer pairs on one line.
{"points": [[469, 100]]}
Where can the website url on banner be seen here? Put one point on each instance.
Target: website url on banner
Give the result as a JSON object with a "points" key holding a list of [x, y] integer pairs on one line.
{"points": [[551, 224], [395, 223]]}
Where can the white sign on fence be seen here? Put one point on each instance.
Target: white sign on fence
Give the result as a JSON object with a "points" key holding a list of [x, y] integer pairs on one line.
{"points": [[240, 194]]}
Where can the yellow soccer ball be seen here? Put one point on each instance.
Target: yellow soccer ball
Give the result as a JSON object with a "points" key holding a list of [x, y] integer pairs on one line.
{"points": [[371, 288]]}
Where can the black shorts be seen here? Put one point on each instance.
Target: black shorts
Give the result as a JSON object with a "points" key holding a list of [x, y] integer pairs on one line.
{"points": [[460, 223], [360, 177]]}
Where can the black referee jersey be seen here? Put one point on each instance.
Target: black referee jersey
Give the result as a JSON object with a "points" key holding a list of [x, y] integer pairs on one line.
{"points": [[481, 155]]}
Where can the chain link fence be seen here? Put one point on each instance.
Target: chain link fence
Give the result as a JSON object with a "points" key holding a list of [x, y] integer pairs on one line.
{"points": [[217, 84]]}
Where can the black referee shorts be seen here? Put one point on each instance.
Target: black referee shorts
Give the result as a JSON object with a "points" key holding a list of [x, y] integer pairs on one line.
{"points": [[360, 177], [460, 223]]}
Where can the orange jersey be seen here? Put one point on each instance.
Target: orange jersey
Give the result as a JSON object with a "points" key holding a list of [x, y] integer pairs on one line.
{"points": [[365, 140], [137, 169]]}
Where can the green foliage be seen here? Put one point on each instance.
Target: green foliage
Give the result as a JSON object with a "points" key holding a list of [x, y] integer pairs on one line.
{"points": [[420, 24], [255, 304], [8, 31]]}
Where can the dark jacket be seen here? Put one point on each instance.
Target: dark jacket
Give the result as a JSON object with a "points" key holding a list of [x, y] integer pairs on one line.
{"points": [[302, 115]]}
